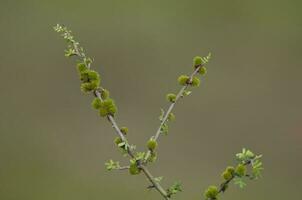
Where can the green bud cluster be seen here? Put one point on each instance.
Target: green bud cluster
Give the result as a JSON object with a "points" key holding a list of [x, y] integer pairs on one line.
{"points": [[240, 170], [171, 97], [183, 80], [211, 192], [81, 67], [151, 144], [124, 130], [90, 80], [197, 61], [96, 103], [228, 174], [134, 169], [195, 82], [202, 70], [118, 140], [107, 107]]}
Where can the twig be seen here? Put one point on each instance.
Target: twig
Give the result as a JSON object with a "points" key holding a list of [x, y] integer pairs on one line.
{"points": [[166, 116]]}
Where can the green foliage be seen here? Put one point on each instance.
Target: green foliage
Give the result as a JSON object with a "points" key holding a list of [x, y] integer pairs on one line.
{"points": [[151, 144], [171, 97], [90, 82], [183, 79], [211, 192], [240, 182], [139, 156], [174, 189], [111, 165], [239, 174], [186, 93], [257, 167], [108, 107]]}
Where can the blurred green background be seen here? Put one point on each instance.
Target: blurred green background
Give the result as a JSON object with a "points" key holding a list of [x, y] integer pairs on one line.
{"points": [[53, 145]]}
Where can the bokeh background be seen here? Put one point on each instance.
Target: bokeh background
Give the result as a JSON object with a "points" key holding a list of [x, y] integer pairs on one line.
{"points": [[53, 145]]}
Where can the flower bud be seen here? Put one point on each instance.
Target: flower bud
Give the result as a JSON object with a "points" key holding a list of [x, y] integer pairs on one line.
{"points": [[151, 144], [183, 79], [230, 169], [108, 107], [241, 170], [197, 61], [104, 94], [211, 192], [118, 140], [134, 170], [96, 103], [124, 130], [171, 97], [202, 70], [226, 175], [195, 82]]}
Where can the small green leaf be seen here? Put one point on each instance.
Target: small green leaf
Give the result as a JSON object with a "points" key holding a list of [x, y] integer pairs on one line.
{"points": [[175, 188], [110, 165], [239, 181]]}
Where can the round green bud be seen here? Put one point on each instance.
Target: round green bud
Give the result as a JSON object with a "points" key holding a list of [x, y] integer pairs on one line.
{"points": [[96, 103], [124, 130], [81, 67], [171, 117], [133, 169], [90, 86], [183, 79], [241, 170], [211, 192], [89, 76], [118, 140], [197, 61], [93, 75], [107, 107], [104, 94], [195, 82], [226, 175], [151, 144], [230, 169], [202, 71], [171, 97]]}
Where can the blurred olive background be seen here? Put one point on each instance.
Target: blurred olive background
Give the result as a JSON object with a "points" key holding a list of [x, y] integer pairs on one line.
{"points": [[53, 145]]}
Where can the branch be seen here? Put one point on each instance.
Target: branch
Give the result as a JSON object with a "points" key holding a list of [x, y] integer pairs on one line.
{"points": [[75, 50], [169, 111]]}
